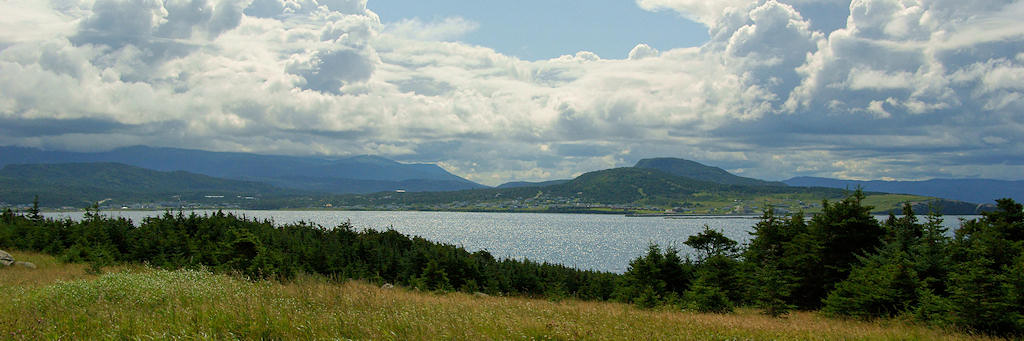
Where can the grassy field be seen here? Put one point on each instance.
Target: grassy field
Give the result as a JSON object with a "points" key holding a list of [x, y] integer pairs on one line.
{"points": [[63, 301]]}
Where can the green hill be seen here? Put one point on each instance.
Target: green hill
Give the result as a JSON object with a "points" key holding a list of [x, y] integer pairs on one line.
{"points": [[698, 171], [633, 185], [79, 184], [627, 189], [647, 186]]}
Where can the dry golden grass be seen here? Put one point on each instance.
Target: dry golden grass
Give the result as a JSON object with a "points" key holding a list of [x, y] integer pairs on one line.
{"points": [[61, 301], [49, 270]]}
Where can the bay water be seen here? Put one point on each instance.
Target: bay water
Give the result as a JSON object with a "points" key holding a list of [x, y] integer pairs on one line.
{"points": [[584, 241]]}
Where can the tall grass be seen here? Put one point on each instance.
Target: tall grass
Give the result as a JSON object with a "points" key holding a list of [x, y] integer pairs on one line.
{"points": [[62, 301]]}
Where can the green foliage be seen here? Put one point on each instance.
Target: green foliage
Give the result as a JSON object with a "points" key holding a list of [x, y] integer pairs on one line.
{"points": [[33, 212], [884, 285], [259, 249], [932, 255], [433, 277], [985, 283], [785, 259], [981, 298], [726, 274], [933, 309], [708, 298], [844, 231], [711, 243], [843, 259], [647, 298], [654, 278], [773, 291], [903, 231]]}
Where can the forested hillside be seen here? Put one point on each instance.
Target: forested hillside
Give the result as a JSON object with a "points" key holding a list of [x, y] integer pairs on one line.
{"points": [[698, 171], [81, 184]]}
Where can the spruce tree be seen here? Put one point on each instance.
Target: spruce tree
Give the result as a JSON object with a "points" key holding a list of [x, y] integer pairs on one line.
{"points": [[767, 258], [984, 285], [844, 231], [884, 285], [33, 213]]}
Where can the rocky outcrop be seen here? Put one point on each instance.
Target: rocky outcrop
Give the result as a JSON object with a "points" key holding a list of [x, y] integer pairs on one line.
{"points": [[6, 259]]}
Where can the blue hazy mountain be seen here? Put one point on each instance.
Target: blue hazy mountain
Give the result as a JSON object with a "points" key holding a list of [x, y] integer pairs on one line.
{"points": [[358, 174], [698, 171], [81, 184], [983, 191]]}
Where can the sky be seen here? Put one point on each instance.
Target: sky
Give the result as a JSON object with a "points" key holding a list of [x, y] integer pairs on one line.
{"points": [[498, 91]]}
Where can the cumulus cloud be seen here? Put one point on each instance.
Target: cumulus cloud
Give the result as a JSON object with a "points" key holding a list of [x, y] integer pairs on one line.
{"points": [[859, 89], [642, 51]]}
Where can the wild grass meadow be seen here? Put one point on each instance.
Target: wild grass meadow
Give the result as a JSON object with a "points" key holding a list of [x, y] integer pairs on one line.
{"points": [[71, 301]]}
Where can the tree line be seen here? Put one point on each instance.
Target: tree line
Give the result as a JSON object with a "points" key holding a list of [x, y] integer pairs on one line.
{"points": [[842, 261]]}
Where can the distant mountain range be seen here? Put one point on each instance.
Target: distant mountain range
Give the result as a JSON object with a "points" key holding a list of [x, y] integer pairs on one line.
{"points": [[81, 184], [631, 189], [359, 174], [145, 173], [983, 191]]}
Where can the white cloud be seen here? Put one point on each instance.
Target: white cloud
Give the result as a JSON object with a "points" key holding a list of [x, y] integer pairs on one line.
{"points": [[642, 51], [707, 12], [449, 29], [770, 95], [862, 78]]}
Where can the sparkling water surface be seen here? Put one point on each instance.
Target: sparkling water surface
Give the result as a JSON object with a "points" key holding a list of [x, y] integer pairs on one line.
{"points": [[584, 241]]}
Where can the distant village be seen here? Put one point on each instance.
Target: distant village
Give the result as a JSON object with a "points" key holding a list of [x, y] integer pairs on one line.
{"points": [[540, 203], [544, 203]]}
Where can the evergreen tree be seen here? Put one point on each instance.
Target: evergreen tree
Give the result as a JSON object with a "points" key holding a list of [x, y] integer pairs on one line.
{"points": [[8, 216], [844, 231], [773, 290], [904, 231], [654, 278], [932, 260], [708, 297], [33, 212], [984, 286], [769, 236], [773, 281], [718, 270], [434, 277], [711, 243], [883, 285], [981, 298]]}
